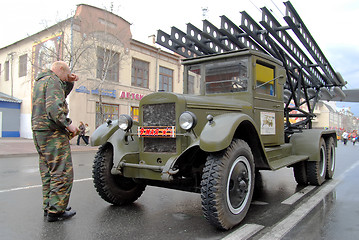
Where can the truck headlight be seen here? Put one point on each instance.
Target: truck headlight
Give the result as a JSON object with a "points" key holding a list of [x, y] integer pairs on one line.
{"points": [[125, 122], [187, 120]]}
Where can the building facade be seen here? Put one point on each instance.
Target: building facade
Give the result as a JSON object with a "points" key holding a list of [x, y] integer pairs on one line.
{"points": [[115, 71], [328, 116]]}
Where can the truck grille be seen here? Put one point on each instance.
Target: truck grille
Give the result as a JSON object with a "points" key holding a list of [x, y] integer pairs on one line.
{"points": [[159, 114], [163, 114], [160, 145]]}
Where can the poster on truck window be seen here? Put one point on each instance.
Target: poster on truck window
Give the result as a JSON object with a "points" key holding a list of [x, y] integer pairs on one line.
{"points": [[267, 123]]}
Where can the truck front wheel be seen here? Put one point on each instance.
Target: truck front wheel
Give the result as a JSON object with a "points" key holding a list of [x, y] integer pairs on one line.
{"points": [[227, 185], [115, 189], [316, 171]]}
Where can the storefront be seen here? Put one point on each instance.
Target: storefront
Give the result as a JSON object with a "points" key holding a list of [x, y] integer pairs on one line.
{"points": [[121, 100]]}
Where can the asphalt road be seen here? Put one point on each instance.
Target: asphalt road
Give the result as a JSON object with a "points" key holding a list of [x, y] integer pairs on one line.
{"points": [[280, 209]]}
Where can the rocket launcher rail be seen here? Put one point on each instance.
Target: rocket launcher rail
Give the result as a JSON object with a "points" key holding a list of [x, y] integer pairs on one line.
{"points": [[310, 76]]}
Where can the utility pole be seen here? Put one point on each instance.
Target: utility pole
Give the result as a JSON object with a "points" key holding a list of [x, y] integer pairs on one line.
{"points": [[204, 12]]}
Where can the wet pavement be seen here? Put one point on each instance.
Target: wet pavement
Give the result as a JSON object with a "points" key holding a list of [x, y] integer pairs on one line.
{"points": [[336, 216], [169, 214]]}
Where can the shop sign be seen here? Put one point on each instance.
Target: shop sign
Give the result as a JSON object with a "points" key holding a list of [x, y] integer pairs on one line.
{"points": [[105, 92], [129, 95], [82, 89], [112, 93]]}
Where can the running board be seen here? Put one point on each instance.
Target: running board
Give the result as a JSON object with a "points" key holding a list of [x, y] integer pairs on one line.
{"points": [[287, 161]]}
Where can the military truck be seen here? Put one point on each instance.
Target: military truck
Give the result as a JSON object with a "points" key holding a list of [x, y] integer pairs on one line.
{"points": [[247, 105]]}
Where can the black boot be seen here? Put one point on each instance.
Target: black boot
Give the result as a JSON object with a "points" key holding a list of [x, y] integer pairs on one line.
{"points": [[53, 217], [45, 211]]}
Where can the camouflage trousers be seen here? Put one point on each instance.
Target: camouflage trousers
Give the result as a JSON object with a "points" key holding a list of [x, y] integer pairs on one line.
{"points": [[56, 170]]}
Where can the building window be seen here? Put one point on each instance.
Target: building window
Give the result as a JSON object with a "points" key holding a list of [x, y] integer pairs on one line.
{"points": [[7, 71], [166, 79], [23, 65], [135, 113], [108, 64], [109, 111], [140, 73]]}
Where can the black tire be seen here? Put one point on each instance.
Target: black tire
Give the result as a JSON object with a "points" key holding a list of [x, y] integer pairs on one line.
{"points": [[331, 158], [300, 173], [227, 185], [115, 189], [316, 171]]}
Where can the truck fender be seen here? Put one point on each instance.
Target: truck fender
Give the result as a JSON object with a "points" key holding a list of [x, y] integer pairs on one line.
{"points": [[307, 142], [103, 133], [218, 134], [123, 144]]}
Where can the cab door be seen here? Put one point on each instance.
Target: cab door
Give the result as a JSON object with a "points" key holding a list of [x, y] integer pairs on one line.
{"points": [[268, 103]]}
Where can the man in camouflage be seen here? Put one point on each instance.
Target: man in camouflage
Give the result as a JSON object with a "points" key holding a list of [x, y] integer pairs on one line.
{"points": [[52, 131]]}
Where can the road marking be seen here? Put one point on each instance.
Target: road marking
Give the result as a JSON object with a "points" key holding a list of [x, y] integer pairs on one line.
{"points": [[83, 179], [259, 203], [244, 232], [37, 186], [349, 169], [298, 195], [284, 226], [20, 188]]}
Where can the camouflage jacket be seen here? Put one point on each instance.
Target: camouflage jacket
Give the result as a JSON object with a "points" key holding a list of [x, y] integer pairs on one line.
{"points": [[49, 107]]}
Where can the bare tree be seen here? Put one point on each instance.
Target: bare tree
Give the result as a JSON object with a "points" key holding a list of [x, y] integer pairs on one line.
{"points": [[92, 50], [109, 53]]}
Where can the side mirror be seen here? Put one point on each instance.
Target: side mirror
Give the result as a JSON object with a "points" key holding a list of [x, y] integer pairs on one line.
{"points": [[282, 79], [282, 76]]}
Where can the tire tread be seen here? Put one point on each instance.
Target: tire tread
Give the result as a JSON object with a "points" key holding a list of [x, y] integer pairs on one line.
{"points": [[211, 190], [102, 187]]}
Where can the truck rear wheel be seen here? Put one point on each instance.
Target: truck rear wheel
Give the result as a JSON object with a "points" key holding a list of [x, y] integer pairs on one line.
{"points": [[115, 189], [330, 158], [316, 171], [227, 185]]}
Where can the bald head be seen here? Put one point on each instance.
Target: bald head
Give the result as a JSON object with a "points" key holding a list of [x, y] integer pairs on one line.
{"points": [[61, 69]]}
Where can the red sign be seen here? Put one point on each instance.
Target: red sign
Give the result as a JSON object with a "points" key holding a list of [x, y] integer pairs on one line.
{"points": [[129, 95], [166, 132]]}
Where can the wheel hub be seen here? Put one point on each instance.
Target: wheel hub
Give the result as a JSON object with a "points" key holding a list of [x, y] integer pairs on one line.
{"points": [[239, 184]]}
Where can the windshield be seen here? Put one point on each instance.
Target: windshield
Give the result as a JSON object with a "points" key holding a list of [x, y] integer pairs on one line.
{"points": [[228, 76], [218, 77]]}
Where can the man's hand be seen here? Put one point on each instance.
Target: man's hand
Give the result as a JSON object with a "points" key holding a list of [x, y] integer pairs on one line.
{"points": [[72, 77], [73, 129]]}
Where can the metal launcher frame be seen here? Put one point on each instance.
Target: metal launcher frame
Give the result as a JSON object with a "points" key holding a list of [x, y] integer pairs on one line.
{"points": [[310, 77]]}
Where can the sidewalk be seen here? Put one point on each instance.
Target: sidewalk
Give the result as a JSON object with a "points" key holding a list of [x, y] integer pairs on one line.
{"points": [[23, 146]]}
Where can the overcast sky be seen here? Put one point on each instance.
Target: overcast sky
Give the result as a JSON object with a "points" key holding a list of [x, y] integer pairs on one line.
{"points": [[333, 23]]}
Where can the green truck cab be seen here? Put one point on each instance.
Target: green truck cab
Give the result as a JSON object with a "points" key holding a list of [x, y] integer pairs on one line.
{"points": [[213, 139]]}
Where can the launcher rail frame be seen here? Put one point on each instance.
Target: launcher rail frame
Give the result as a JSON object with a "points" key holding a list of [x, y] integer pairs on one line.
{"points": [[309, 73]]}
